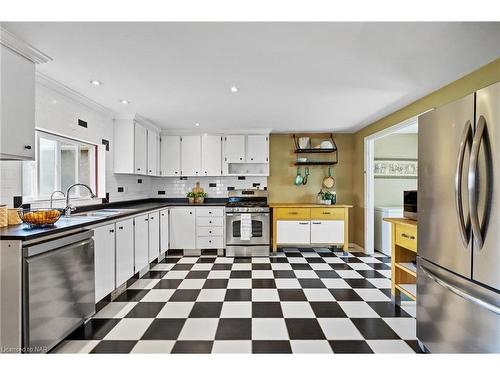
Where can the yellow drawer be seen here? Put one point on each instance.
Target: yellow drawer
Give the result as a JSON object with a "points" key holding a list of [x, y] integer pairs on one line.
{"points": [[406, 237], [327, 213], [293, 213]]}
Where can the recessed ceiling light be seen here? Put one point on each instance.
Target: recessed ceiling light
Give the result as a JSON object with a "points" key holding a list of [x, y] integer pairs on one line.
{"points": [[95, 82], [124, 101], [234, 89], [197, 124]]}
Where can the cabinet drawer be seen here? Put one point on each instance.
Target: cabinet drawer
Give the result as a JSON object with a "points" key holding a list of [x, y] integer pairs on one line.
{"points": [[293, 213], [209, 242], [210, 221], [327, 213], [210, 211], [406, 237], [210, 231]]}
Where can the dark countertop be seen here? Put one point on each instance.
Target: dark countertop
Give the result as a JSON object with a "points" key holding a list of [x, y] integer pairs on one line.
{"points": [[24, 233]]}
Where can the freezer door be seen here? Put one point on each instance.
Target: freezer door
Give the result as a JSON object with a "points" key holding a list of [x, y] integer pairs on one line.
{"points": [[455, 315], [486, 255], [443, 231]]}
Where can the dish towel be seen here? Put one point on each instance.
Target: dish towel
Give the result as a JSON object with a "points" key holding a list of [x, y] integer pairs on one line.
{"points": [[246, 227]]}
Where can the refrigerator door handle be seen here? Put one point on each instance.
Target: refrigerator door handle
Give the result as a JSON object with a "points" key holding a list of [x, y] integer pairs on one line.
{"points": [[459, 292], [465, 142], [473, 183]]}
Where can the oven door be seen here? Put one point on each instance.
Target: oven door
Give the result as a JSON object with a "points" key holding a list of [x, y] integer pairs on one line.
{"points": [[260, 229]]}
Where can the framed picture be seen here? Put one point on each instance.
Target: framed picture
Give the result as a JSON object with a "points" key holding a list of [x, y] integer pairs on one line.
{"points": [[395, 168]]}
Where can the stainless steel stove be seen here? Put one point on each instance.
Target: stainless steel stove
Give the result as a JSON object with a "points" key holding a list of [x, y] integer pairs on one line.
{"points": [[253, 237]]}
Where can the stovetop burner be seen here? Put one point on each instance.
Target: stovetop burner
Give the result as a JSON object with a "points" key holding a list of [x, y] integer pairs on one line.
{"points": [[246, 204]]}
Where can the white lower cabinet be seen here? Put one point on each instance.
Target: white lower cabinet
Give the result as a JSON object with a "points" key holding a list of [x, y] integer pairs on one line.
{"points": [[124, 251], [164, 231], [154, 235], [104, 260], [210, 227], [327, 231], [293, 232], [141, 242], [182, 228]]}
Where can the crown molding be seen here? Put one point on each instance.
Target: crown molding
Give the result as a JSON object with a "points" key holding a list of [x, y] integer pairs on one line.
{"points": [[68, 92], [26, 50], [138, 118], [214, 131]]}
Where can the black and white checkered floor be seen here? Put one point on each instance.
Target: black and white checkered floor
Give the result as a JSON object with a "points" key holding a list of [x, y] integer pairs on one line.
{"points": [[308, 300]]}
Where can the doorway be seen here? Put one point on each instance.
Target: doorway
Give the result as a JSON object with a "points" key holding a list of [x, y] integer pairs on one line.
{"points": [[390, 158]]}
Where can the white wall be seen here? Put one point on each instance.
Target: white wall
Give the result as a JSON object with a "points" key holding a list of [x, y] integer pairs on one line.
{"points": [[389, 191]]}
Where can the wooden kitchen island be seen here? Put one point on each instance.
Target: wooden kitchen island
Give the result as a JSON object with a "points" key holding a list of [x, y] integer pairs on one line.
{"points": [[309, 224]]}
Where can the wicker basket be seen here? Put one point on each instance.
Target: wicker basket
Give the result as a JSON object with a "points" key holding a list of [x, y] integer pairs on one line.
{"points": [[13, 216], [42, 217], [3, 216]]}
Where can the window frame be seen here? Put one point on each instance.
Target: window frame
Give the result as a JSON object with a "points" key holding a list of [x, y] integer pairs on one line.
{"points": [[60, 139]]}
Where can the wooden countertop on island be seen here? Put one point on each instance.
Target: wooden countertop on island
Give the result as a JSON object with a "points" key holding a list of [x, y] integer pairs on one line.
{"points": [[307, 205], [402, 221]]}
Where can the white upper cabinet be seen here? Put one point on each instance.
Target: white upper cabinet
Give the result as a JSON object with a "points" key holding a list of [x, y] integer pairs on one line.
{"points": [[17, 115], [211, 155], [152, 153], [257, 149], [170, 155], [234, 149], [135, 148], [191, 155], [140, 150]]}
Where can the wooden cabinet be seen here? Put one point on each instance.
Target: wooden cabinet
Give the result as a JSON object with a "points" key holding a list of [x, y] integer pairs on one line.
{"points": [[310, 224], [141, 242], [104, 260], [211, 155], [234, 149], [17, 117], [154, 235], [257, 149], [140, 149], [164, 228], [327, 231], [124, 251], [403, 258], [170, 155], [182, 228], [152, 162], [191, 155], [293, 232]]}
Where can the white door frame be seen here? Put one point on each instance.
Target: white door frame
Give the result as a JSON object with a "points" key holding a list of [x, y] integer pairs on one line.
{"points": [[369, 179]]}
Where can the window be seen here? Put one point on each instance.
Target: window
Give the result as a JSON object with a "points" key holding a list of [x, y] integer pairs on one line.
{"points": [[59, 163]]}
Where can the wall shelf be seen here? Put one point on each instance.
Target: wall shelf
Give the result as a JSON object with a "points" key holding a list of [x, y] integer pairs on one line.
{"points": [[317, 162], [311, 150]]}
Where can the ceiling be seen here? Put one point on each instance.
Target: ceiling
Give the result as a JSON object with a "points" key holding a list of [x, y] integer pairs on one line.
{"points": [[291, 76]]}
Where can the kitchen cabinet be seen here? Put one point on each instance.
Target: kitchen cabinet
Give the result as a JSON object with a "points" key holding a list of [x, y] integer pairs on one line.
{"points": [[140, 149], [124, 251], [211, 155], [152, 161], [154, 235], [170, 155], [17, 117], [191, 155], [257, 149], [234, 149], [327, 231], [182, 228], [141, 242], [164, 238], [209, 227], [294, 232], [104, 260]]}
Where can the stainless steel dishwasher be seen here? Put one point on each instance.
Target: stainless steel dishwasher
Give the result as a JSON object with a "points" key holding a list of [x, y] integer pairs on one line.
{"points": [[58, 289]]}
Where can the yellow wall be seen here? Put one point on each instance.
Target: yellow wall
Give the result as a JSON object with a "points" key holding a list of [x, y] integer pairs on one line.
{"points": [[482, 77], [282, 172]]}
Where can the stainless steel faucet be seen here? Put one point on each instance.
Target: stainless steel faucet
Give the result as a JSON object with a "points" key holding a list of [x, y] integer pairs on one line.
{"points": [[52, 195], [70, 208]]}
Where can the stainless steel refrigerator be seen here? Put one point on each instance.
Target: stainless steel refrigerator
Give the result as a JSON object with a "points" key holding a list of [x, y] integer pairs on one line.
{"points": [[458, 263]]}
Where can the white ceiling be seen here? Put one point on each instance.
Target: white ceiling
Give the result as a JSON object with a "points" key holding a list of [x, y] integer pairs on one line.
{"points": [[291, 76]]}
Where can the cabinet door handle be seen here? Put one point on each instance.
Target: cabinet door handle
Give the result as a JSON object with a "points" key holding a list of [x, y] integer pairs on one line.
{"points": [[210, 221], [302, 223], [27, 147], [210, 212], [145, 219], [407, 236], [111, 231], [316, 222], [210, 231], [251, 158], [120, 227], [293, 213], [326, 212], [241, 158]]}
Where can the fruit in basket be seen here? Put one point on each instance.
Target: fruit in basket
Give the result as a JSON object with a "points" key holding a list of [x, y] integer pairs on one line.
{"points": [[41, 217]]}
